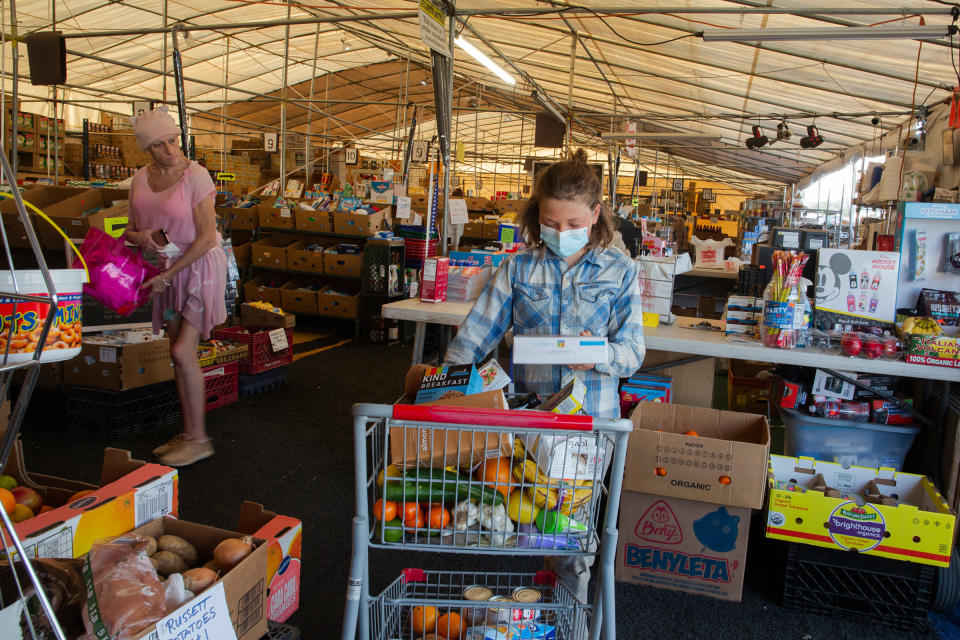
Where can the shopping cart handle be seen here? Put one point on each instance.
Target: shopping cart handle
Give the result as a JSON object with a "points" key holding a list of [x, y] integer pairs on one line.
{"points": [[492, 417]]}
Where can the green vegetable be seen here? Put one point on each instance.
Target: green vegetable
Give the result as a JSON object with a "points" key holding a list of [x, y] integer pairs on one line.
{"points": [[419, 492], [465, 487], [392, 534]]}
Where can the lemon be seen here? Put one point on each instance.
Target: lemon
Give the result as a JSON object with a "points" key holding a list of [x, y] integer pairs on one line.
{"points": [[521, 508], [391, 472]]}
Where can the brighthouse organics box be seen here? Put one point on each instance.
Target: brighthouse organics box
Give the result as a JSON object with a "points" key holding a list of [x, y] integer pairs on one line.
{"points": [[682, 545], [844, 512], [284, 540]]}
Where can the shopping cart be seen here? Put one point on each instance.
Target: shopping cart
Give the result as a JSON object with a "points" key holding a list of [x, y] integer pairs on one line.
{"points": [[483, 481]]}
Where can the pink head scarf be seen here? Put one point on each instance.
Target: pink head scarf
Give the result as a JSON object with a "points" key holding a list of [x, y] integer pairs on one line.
{"points": [[152, 126]]}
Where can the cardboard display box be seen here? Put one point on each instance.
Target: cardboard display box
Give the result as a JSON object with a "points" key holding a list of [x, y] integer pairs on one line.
{"points": [[692, 383], [271, 251], [300, 258], [343, 264], [42, 198], [359, 224], [683, 545], [725, 463], [247, 218], [251, 316], [244, 586], [284, 540], [745, 391], [257, 289], [130, 493], [119, 367], [296, 299], [316, 221], [68, 215], [338, 305], [272, 217], [917, 527]]}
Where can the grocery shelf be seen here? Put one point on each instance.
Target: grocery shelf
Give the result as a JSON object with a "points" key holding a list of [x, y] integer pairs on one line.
{"points": [[308, 273]]}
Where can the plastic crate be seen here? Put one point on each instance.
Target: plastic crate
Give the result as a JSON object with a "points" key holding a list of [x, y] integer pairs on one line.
{"points": [[277, 631], [261, 356], [865, 444], [230, 354], [220, 384], [117, 414], [752, 280], [853, 586], [251, 384], [379, 257]]}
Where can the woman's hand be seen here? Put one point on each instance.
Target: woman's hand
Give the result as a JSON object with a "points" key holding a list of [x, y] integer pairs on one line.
{"points": [[156, 284], [582, 367], [144, 239]]}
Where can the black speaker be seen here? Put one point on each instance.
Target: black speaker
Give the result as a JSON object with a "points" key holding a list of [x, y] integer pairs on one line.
{"points": [[47, 52], [549, 131]]}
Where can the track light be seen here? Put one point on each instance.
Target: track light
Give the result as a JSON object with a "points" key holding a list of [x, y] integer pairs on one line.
{"points": [[917, 32], [483, 59], [813, 138], [758, 140], [344, 45], [783, 131]]}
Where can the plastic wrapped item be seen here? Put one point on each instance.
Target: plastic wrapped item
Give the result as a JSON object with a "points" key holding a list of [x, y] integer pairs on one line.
{"points": [[951, 257], [116, 272], [63, 586], [842, 410], [919, 254], [124, 593], [784, 302]]}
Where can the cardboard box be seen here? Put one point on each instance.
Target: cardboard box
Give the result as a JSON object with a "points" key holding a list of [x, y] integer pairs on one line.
{"points": [[130, 493], [68, 215], [939, 351], [272, 217], [42, 198], [725, 463], [830, 386], [315, 221], [247, 218], [251, 316], [473, 229], [284, 540], [300, 258], [745, 390], [559, 349], [119, 367], [682, 545], [271, 251], [448, 382], [343, 306], [358, 224], [244, 586], [438, 447], [639, 389], [343, 264], [257, 289], [919, 529], [243, 253], [491, 227], [298, 300], [567, 401]]}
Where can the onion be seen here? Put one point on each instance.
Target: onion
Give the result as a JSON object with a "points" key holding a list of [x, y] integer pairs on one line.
{"points": [[198, 579], [231, 551]]}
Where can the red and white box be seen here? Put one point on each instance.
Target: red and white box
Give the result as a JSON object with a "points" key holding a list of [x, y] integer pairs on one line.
{"points": [[433, 285]]}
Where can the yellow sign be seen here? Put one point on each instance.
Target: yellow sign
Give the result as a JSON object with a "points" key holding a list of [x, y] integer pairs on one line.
{"points": [[461, 151], [114, 227], [226, 177]]}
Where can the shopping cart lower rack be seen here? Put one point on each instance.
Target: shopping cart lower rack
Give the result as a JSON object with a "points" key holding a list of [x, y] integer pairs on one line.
{"points": [[484, 481]]}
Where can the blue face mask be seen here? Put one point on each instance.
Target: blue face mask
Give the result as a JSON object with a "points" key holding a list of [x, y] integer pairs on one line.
{"points": [[565, 243]]}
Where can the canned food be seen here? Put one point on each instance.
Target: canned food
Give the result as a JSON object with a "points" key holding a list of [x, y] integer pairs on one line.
{"points": [[499, 614], [476, 593], [526, 595]]}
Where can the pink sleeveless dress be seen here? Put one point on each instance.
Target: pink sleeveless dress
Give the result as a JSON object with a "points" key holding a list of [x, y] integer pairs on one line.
{"points": [[197, 292]]}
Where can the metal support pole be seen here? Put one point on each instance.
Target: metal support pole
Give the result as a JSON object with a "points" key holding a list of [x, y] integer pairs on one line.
{"points": [[181, 103], [283, 106], [313, 76], [14, 97], [164, 70], [223, 106], [573, 65], [445, 149], [86, 149]]}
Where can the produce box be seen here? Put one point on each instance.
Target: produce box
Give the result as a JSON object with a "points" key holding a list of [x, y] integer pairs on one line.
{"points": [[272, 217], [246, 218], [745, 390], [104, 365], [271, 251], [939, 351], [284, 539], [259, 289], [243, 587], [682, 545], [343, 264], [332, 304], [251, 316], [315, 221], [243, 254], [130, 493], [917, 527], [300, 258], [68, 215], [698, 454], [299, 300], [358, 224], [42, 198]]}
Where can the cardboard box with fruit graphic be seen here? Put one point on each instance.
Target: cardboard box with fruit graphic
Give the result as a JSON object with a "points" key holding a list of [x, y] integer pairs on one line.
{"points": [[283, 535], [131, 493]]}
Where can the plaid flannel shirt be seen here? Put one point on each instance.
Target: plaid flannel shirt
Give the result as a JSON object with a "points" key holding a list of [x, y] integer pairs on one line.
{"points": [[535, 293]]}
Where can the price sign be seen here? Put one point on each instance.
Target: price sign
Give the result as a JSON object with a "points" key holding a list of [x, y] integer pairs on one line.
{"points": [[141, 107], [458, 211], [350, 156], [270, 141], [419, 153], [403, 207], [206, 616], [434, 30], [278, 339]]}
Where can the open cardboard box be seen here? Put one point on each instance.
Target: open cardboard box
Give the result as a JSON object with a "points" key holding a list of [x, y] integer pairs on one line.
{"points": [[68, 215], [919, 529], [251, 316], [725, 463], [244, 585], [284, 538], [130, 493], [119, 367], [42, 198]]}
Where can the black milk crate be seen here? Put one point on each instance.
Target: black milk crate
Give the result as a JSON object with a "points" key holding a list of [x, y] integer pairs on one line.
{"points": [[379, 256], [752, 280], [373, 326], [115, 414], [253, 383], [277, 631], [855, 586]]}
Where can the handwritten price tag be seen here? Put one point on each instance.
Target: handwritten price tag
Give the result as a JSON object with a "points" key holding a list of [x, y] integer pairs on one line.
{"points": [[206, 617], [403, 207], [278, 339], [458, 211]]}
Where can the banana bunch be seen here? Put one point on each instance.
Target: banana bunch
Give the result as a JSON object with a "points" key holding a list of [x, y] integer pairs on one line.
{"points": [[548, 492], [922, 325]]}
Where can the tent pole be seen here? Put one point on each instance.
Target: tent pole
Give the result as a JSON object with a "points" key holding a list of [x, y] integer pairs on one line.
{"points": [[313, 76], [283, 107]]}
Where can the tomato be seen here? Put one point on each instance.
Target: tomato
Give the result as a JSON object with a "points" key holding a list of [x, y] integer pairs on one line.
{"points": [[438, 517], [412, 515], [380, 505]]}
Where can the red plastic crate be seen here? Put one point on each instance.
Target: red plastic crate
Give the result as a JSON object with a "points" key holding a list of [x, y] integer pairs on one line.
{"points": [[260, 355], [221, 383]]}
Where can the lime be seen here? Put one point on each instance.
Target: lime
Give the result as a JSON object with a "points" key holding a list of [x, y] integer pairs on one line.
{"points": [[393, 530], [7, 482]]}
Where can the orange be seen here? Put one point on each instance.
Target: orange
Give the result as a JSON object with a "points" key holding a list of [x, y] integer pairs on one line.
{"points": [[274, 558], [438, 517], [423, 619], [724, 479], [78, 495], [496, 473], [450, 626], [660, 471], [691, 433], [7, 500], [378, 510]]}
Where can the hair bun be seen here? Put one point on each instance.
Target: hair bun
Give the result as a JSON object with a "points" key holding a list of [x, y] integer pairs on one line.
{"points": [[580, 155]]}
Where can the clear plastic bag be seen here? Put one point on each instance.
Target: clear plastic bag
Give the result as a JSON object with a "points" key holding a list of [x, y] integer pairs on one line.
{"points": [[116, 272]]}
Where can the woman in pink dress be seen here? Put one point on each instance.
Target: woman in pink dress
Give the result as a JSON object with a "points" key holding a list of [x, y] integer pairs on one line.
{"points": [[172, 213]]}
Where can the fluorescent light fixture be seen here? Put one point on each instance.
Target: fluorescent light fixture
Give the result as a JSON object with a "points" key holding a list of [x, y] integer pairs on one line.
{"points": [[482, 58], [919, 32], [658, 136]]}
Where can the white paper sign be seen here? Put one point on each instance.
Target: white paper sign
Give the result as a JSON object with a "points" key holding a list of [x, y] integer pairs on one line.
{"points": [[419, 153], [417, 219], [270, 141], [140, 107], [206, 617], [403, 207], [108, 354], [434, 30], [10, 621], [458, 211], [278, 339], [388, 175]]}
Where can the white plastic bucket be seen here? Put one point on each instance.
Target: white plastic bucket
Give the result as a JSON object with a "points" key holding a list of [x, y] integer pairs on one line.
{"points": [[63, 341]]}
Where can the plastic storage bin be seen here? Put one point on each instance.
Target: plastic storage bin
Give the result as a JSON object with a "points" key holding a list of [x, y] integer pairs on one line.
{"points": [[865, 444]]}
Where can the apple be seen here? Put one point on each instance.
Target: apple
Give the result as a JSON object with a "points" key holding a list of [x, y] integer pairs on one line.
{"points": [[28, 497], [872, 348], [891, 348], [851, 343]]}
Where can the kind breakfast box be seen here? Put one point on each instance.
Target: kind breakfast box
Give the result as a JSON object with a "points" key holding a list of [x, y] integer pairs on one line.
{"points": [[876, 511], [440, 383]]}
